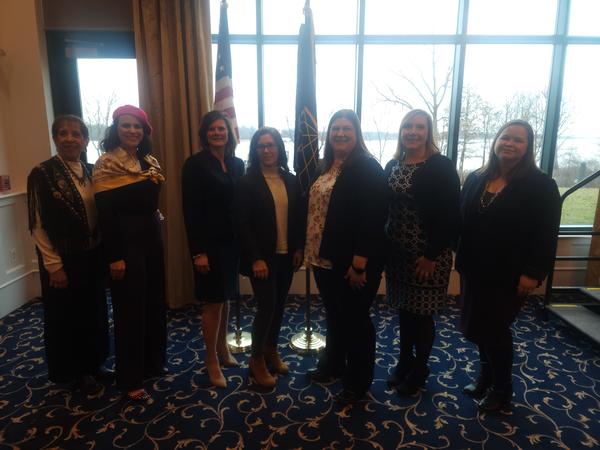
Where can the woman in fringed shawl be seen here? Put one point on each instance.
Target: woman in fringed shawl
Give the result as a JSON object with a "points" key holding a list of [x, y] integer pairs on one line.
{"points": [[127, 181], [62, 221]]}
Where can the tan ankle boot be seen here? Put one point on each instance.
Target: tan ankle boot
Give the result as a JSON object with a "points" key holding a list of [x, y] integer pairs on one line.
{"points": [[273, 358], [259, 371]]}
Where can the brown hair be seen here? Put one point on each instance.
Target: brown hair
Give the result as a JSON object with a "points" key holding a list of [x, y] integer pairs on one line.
{"points": [[527, 163]]}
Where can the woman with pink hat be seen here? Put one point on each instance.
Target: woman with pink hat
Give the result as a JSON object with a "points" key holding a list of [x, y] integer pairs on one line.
{"points": [[127, 182]]}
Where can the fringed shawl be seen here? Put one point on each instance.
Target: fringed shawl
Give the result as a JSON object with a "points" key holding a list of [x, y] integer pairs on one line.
{"points": [[53, 198]]}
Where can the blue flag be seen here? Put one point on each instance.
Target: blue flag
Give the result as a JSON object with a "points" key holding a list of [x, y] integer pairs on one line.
{"points": [[306, 136]]}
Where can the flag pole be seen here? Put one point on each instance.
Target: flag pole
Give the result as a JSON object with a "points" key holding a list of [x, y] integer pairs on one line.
{"points": [[239, 341], [306, 156]]}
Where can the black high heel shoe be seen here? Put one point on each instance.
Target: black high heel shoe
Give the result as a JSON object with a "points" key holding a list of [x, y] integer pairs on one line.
{"points": [[414, 381], [400, 372]]}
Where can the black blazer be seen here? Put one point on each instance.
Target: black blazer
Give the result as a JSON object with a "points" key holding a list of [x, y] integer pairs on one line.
{"points": [[436, 192], [517, 233], [256, 222], [356, 215], [207, 200]]}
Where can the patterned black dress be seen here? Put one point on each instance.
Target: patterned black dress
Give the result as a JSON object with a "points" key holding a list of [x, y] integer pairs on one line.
{"points": [[408, 239]]}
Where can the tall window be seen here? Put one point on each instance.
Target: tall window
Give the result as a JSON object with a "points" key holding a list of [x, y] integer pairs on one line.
{"points": [[514, 59], [104, 85], [578, 143], [496, 89]]}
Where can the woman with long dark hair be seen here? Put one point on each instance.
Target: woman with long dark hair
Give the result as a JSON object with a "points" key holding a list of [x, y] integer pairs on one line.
{"points": [[269, 219], [510, 217], [422, 227], [208, 184], [344, 245], [127, 182]]}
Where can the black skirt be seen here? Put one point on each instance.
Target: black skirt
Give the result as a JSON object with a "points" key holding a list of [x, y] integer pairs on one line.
{"points": [[488, 308], [221, 283]]}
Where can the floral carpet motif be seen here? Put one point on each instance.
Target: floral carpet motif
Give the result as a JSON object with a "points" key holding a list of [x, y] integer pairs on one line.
{"points": [[556, 377]]}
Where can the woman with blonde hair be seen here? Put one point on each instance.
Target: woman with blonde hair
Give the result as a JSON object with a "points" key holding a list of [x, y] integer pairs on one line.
{"points": [[422, 226]]}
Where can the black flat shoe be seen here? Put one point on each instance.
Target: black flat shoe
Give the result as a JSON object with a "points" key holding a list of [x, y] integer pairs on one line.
{"points": [[414, 381], [398, 376], [476, 390], [348, 397], [495, 400], [318, 376], [104, 375], [88, 385]]}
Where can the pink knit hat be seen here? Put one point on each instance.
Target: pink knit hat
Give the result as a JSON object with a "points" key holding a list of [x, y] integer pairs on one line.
{"points": [[136, 112]]}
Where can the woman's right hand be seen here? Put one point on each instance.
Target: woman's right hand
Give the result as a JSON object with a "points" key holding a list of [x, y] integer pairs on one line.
{"points": [[260, 270], [117, 269], [58, 279], [201, 263]]}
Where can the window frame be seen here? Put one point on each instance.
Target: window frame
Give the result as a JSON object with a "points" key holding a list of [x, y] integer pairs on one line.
{"points": [[560, 41]]}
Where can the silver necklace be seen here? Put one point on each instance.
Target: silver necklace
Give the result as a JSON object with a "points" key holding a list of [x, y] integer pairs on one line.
{"points": [[486, 200], [80, 179]]}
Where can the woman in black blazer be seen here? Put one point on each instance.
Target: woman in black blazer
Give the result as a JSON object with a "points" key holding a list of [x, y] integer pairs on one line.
{"points": [[344, 245], [208, 184], [510, 217], [271, 233]]}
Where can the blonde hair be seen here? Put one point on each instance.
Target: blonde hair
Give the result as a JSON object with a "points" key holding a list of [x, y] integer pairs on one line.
{"points": [[431, 147]]}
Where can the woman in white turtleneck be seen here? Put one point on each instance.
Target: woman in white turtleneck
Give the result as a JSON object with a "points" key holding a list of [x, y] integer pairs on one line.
{"points": [[270, 224]]}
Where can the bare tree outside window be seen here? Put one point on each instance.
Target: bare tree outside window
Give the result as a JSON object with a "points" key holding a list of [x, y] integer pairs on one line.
{"points": [[430, 86], [98, 116]]}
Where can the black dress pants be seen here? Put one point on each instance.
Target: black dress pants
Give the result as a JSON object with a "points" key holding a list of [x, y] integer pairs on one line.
{"points": [[75, 318], [350, 339], [139, 312], [270, 296]]}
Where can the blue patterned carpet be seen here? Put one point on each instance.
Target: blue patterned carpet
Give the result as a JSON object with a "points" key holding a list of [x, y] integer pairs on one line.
{"points": [[556, 405]]}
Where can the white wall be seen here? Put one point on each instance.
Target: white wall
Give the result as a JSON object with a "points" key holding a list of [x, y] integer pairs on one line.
{"points": [[18, 276], [24, 141]]}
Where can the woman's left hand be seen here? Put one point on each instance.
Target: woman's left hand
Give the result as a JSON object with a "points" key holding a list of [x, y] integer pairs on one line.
{"points": [[526, 285], [425, 268], [298, 259]]}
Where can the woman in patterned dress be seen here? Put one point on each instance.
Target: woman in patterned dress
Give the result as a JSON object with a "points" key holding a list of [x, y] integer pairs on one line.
{"points": [[422, 226]]}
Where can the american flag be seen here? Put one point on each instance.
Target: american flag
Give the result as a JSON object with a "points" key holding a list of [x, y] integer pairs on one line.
{"points": [[306, 136], [223, 84]]}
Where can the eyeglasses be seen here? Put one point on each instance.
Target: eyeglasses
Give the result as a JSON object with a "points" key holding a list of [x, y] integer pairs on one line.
{"points": [[270, 146]]}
